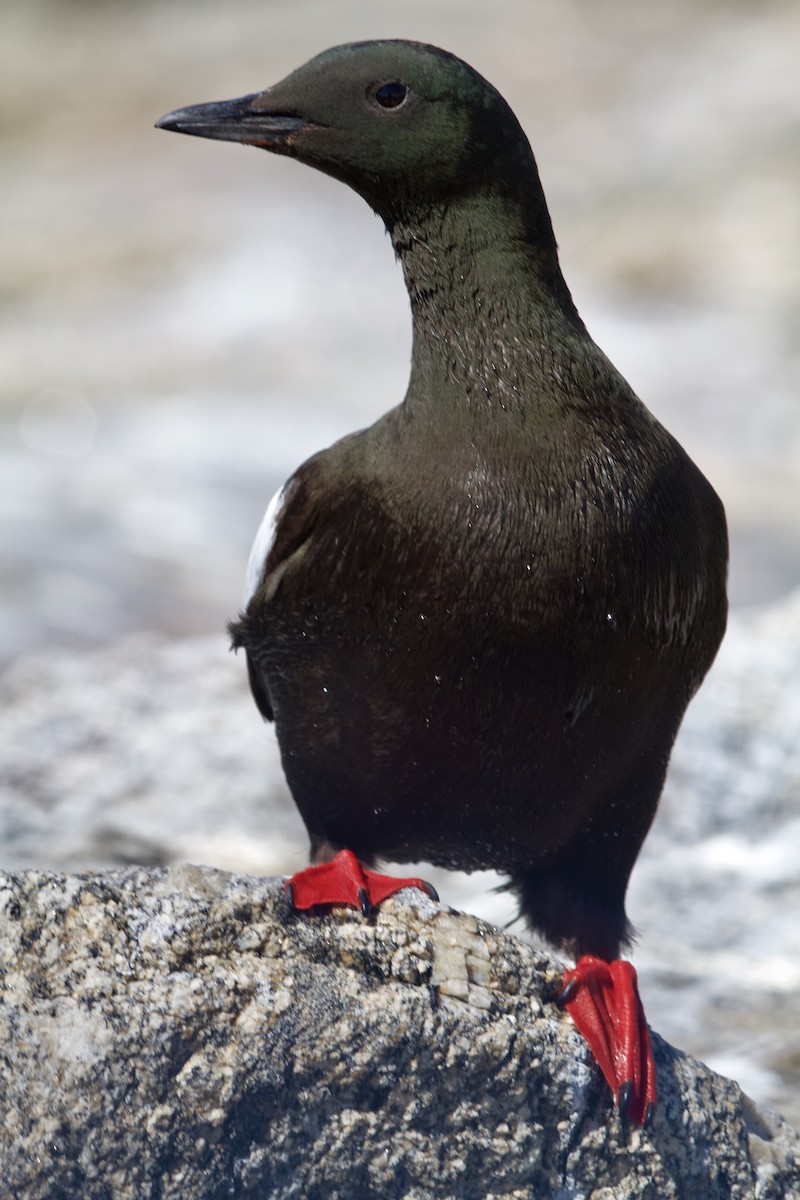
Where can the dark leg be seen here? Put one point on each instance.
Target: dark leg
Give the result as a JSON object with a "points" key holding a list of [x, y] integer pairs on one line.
{"points": [[578, 904]]}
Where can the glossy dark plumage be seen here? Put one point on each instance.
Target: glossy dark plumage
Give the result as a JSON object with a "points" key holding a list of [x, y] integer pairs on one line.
{"points": [[480, 620]]}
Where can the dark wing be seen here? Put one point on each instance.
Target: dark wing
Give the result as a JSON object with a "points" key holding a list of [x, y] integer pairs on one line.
{"points": [[287, 525]]}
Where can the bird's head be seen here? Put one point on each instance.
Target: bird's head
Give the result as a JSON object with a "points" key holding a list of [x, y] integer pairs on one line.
{"points": [[404, 124]]}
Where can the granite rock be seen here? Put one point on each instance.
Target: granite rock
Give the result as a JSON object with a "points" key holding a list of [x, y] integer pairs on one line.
{"points": [[151, 751], [180, 1033]]}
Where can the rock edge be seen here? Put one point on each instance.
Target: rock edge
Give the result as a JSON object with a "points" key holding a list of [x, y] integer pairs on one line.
{"points": [[179, 1033]]}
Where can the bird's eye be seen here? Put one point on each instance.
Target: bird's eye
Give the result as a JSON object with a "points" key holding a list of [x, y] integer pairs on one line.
{"points": [[391, 95]]}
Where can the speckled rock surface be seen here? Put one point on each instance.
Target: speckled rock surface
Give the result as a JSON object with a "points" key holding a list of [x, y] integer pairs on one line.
{"points": [[151, 752], [178, 1033]]}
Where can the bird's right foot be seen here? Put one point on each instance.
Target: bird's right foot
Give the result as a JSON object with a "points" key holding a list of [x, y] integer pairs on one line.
{"points": [[343, 880]]}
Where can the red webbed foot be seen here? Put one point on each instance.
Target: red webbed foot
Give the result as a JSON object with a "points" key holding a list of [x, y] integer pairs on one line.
{"points": [[603, 1000], [343, 880]]}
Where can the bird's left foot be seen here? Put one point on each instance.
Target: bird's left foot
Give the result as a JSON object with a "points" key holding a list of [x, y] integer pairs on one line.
{"points": [[343, 880], [603, 1000]]}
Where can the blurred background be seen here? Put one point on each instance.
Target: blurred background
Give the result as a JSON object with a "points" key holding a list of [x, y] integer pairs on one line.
{"points": [[182, 322]]}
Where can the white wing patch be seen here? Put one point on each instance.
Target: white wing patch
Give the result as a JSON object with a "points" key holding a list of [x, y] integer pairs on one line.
{"points": [[264, 541]]}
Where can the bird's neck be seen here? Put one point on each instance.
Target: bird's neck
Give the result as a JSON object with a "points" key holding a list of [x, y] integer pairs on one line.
{"points": [[488, 301]]}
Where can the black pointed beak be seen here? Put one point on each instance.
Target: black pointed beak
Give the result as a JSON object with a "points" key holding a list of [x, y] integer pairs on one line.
{"points": [[236, 121]]}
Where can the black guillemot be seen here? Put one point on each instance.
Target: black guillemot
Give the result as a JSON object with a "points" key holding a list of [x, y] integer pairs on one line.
{"points": [[477, 624]]}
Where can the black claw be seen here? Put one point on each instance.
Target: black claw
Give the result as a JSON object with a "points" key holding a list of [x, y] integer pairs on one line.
{"points": [[363, 902], [434, 995], [624, 1097], [289, 891], [430, 890], [567, 993], [648, 1114]]}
